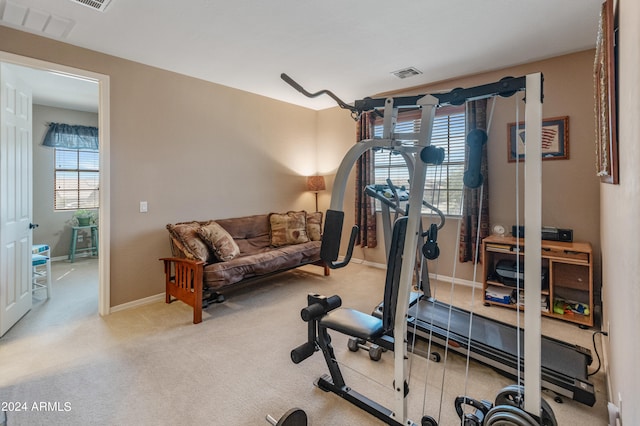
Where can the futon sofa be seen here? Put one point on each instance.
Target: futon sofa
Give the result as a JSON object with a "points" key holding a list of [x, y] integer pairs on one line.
{"points": [[212, 256]]}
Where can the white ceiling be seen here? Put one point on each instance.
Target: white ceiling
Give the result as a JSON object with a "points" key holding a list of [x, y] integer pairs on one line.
{"points": [[348, 47], [59, 90]]}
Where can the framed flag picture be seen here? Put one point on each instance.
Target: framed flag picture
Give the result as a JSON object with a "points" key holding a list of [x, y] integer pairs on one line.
{"points": [[605, 72], [555, 139]]}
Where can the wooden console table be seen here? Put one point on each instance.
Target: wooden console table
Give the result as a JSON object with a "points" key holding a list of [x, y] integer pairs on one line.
{"points": [[569, 277]]}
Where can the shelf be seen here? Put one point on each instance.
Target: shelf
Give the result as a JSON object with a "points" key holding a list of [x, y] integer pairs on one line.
{"points": [[514, 306], [502, 248], [571, 317], [570, 274], [499, 284]]}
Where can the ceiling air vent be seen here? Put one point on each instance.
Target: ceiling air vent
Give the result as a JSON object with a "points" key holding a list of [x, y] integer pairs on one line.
{"points": [[406, 72], [100, 5]]}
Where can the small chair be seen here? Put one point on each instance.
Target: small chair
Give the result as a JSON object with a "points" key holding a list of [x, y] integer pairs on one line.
{"points": [[41, 264], [74, 239]]}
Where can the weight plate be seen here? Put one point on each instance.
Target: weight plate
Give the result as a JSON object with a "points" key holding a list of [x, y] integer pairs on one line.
{"points": [[293, 417], [514, 395]]}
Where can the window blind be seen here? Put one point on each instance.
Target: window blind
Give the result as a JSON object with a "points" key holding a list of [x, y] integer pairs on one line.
{"points": [[443, 185], [76, 179]]}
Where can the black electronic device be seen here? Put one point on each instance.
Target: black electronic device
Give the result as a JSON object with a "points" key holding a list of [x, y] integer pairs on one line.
{"points": [[508, 272], [565, 235], [549, 233], [517, 231]]}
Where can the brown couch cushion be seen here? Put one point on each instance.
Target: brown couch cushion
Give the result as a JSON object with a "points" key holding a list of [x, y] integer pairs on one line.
{"points": [[314, 226], [251, 233], [288, 228], [219, 241], [221, 274], [186, 239]]}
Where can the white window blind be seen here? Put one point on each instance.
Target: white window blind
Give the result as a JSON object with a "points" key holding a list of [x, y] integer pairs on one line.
{"points": [[443, 185], [76, 179]]}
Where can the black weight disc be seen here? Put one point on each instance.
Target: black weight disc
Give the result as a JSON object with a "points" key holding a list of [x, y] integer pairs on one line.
{"points": [[514, 395], [293, 417]]}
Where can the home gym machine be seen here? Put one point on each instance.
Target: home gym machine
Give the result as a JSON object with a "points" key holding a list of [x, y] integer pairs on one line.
{"points": [[564, 366], [324, 313]]}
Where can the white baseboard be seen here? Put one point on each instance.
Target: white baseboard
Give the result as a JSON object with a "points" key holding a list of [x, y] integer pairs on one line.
{"points": [[140, 302], [443, 278], [160, 296], [372, 264], [457, 281], [66, 257]]}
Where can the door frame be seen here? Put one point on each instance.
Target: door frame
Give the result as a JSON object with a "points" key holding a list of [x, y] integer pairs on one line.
{"points": [[104, 285]]}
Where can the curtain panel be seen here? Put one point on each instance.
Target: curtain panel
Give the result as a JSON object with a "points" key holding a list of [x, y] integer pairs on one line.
{"points": [[365, 206], [70, 136], [474, 206]]}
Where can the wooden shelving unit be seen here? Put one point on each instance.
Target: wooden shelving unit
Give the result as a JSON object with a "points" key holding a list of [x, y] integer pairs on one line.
{"points": [[569, 275]]}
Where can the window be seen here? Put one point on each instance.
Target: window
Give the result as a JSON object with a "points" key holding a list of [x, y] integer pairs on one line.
{"points": [[76, 179], [443, 186]]}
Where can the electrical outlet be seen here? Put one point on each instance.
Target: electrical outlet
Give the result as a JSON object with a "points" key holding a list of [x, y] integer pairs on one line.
{"points": [[144, 207], [80, 238]]}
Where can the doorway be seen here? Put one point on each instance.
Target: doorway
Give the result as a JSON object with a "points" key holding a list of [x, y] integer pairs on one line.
{"points": [[102, 81]]}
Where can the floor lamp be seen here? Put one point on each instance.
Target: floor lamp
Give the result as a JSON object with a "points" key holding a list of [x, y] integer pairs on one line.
{"points": [[316, 184]]}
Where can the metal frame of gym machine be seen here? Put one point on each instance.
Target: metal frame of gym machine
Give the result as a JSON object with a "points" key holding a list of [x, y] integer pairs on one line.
{"points": [[532, 85], [564, 365], [386, 205]]}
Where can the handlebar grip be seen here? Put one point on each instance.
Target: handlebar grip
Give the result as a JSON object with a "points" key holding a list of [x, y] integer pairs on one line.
{"points": [[300, 89], [476, 140], [347, 257], [331, 236], [333, 302], [318, 309], [302, 352], [291, 82], [312, 311]]}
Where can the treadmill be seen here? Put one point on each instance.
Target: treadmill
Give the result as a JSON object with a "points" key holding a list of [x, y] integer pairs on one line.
{"points": [[494, 343], [564, 366]]}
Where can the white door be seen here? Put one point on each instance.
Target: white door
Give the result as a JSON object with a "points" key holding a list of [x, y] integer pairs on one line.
{"points": [[15, 198]]}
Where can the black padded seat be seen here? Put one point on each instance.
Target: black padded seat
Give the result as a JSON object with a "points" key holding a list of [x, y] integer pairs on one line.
{"points": [[353, 323]]}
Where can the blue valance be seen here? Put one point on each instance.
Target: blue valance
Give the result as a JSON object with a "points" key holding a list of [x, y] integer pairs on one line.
{"points": [[71, 137]]}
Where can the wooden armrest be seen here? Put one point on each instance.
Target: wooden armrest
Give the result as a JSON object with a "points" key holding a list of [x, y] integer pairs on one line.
{"points": [[183, 280], [181, 259]]}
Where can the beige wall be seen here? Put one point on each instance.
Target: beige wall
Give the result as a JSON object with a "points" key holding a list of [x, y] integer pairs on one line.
{"points": [[620, 209], [191, 149], [570, 187], [54, 226]]}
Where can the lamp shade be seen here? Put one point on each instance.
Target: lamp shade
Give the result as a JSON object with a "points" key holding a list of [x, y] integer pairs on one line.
{"points": [[315, 183]]}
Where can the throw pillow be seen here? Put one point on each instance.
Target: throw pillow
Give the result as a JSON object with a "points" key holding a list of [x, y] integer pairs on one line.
{"points": [[186, 235], [314, 226], [219, 241], [288, 228]]}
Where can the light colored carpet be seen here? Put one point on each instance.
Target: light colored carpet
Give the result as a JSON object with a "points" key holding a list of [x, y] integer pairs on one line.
{"points": [[151, 366]]}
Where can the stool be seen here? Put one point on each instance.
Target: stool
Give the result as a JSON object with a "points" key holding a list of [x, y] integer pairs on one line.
{"points": [[74, 239], [41, 264]]}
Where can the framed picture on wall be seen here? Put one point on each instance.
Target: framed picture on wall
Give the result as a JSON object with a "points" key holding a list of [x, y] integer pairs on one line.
{"points": [[605, 71], [555, 139]]}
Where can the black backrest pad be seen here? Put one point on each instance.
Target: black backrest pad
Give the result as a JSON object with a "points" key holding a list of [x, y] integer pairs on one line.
{"points": [[394, 265], [331, 235]]}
